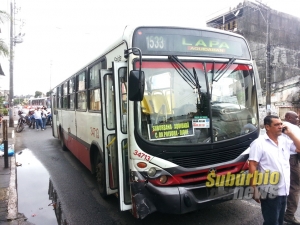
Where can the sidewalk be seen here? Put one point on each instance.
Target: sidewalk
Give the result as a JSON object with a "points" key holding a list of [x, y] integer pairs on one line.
{"points": [[8, 186]]}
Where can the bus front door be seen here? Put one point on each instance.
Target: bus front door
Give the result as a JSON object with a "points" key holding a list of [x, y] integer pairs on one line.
{"points": [[120, 84], [54, 114], [110, 158]]}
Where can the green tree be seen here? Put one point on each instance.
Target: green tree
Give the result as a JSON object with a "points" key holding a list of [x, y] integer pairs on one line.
{"points": [[18, 101], [1, 102], [48, 94], [3, 47], [38, 94], [3, 111]]}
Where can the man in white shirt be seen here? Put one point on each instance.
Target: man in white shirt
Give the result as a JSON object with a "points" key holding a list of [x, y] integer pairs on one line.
{"points": [[292, 120], [270, 153], [44, 117], [38, 118]]}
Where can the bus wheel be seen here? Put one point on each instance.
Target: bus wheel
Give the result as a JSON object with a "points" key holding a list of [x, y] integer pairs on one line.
{"points": [[101, 181], [62, 142]]}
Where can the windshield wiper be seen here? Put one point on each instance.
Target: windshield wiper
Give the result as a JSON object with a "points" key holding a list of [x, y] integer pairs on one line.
{"points": [[197, 81], [191, 79], [183, 71], [218, 77]]}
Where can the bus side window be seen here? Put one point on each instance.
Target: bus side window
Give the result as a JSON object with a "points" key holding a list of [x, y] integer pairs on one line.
{"points": [[81, 92], [109, 101], [58, 94], [94, 88], [123, 97], [95, 103], [71, 94]]}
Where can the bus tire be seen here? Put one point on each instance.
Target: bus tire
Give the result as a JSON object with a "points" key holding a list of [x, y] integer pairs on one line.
{"points": [[62, 142], [100, 175]]}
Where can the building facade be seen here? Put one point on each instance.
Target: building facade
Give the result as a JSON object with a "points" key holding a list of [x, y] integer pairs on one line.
{"points": [[274, 39]]}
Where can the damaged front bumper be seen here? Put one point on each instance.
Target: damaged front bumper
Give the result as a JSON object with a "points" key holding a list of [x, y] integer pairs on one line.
{"points": [[148, 198]]}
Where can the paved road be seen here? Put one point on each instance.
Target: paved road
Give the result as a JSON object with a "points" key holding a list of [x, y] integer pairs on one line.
{"points": [[82, 204]]}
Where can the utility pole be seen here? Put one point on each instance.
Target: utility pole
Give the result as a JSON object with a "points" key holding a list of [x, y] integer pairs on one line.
{"points": [[268, 63], [13, 40], [268, 66], [50, 75], [11, 68]]}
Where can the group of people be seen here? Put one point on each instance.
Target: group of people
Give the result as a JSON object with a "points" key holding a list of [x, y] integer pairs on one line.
{"points": [[40, 115], [277, 151]]}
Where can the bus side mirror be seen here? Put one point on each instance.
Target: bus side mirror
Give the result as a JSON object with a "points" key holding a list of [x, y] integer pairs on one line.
{"points": [[136, 85]]}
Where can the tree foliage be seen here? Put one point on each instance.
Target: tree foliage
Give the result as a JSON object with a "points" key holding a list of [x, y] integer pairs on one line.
{"points": [[3, 110], [48, 94], [1, 101], [3, 46], [38, 94], [18, 101]]}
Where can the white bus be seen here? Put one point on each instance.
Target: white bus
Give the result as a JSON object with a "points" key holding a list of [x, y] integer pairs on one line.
{"points": [[39, 102], [157, 112]]}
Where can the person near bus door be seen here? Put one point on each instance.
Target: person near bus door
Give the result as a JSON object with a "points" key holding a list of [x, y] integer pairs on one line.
{"points": [[44, 117], [292, 120], [31, 114], [38, 118], [270, 153]]}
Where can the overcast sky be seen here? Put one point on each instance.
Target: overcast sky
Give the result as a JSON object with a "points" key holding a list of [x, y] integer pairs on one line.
{"points": [[61, 36]]}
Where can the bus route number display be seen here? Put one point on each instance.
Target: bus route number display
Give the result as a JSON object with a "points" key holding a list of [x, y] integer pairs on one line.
{"points": [[170, 130], [156, 42]]}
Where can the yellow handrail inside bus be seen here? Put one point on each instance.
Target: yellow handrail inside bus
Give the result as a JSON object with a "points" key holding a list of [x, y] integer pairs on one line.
{"points": [[111, 142]]}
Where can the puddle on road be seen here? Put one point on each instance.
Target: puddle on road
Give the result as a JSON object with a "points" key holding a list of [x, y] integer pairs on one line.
{"points": [[36, 196], [56, 204]]}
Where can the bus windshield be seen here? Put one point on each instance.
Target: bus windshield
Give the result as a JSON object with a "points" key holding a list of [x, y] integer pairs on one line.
{"points": [[191, 102]]}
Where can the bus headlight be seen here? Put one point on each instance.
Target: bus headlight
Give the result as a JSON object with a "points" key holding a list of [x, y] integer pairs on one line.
{"points": [[163, 179], [151, 172]]}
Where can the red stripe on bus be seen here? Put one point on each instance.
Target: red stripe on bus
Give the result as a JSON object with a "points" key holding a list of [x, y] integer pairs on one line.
{"points": [[79, 150], [190, 65], [199, 176]]}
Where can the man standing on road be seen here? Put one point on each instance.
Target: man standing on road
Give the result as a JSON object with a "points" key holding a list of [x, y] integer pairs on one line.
{"points": [[292, 120], [270, 153], [38, 118]]}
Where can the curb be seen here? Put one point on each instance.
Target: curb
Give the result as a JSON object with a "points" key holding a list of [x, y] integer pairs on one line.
{"points": [[12, 207], [10, 193]]}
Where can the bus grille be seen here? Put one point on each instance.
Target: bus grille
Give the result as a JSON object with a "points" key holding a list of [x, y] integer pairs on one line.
{"points": [[207, 158]]}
